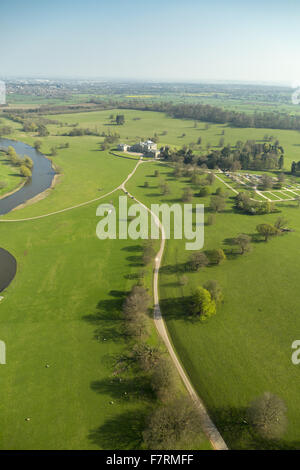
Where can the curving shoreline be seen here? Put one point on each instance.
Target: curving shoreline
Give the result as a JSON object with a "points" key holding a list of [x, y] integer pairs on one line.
{"points": [[44, 178]]}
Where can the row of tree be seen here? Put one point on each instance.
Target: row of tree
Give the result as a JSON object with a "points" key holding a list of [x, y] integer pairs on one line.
{"points": [[214, 114], [174, 422], [25, 164]]}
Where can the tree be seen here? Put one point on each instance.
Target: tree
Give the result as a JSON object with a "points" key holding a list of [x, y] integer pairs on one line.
{"points": [[210, 178], [156, 173], [147, 356], [244, 242], [28, 162], [187, 195], [267, 415], [215, 290], [163, 379], [281, 222], [42, 130], [267, 231], [146, 184], [37, 145], [195, 179], [202, 305], [281, 162], [164, 188], [217, 256], [53, 151], [136, 325], [266, 182], [136, 302], [148, 253], [173, 426], [204, 191], [25, 171], [134, 309], [13, 157], [120, 119], [217, 203], [293, 168], [198, 260]]}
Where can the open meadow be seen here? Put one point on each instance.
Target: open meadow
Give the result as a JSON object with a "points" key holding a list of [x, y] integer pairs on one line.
{"points": [[63, 308], [245, 349]]}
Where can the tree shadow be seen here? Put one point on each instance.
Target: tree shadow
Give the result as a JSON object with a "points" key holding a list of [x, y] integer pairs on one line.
{"points": [[177, 308], [175, 268], [108, 319], [125, 389], [239, 435], [123, 432], [133, 248], [135, 261]]}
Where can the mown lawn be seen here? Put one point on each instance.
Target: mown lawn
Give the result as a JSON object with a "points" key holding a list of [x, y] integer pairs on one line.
{"points": [[246, 348]]}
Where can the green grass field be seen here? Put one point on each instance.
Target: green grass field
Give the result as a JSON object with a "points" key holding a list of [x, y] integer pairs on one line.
{"points": [[51, 310], [246, 348], [9, 176], [63, 309]]}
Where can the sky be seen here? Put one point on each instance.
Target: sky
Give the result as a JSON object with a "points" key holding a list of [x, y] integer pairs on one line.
{"points": [[160, 40]]}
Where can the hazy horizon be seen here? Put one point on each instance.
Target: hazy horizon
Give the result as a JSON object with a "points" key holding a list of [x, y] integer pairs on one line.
{"points": [[166, 41]]}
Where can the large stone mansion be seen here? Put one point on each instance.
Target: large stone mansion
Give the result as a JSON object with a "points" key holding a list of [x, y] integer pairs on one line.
{"points": [[147, 148]]}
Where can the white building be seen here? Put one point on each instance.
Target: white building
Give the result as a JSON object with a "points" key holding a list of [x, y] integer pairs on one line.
{"points": [[123, 147], [147, 148]]}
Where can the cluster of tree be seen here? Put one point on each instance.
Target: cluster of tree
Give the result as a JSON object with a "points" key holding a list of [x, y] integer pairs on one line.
{"points": [[148, 252], [120, 119], [25, 164], [196, 112], [268, 230], [42, 130], [135, 311], [176, 419], [248, 155], [204, 300], [175, 425], [295, 168], [199, 259], [30, 124], [80, 131], [109, 139], [214, 114], [5, 130], [244, 203]]}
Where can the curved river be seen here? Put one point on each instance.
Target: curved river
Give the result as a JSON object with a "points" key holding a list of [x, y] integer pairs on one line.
{"points": [[42, 176]]}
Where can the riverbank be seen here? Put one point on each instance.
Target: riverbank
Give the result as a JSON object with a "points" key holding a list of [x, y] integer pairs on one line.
{"points": [[33, 189], [41, 196]]}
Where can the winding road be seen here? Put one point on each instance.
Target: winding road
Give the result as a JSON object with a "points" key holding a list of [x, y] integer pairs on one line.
{"points": [[208, 426]]}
